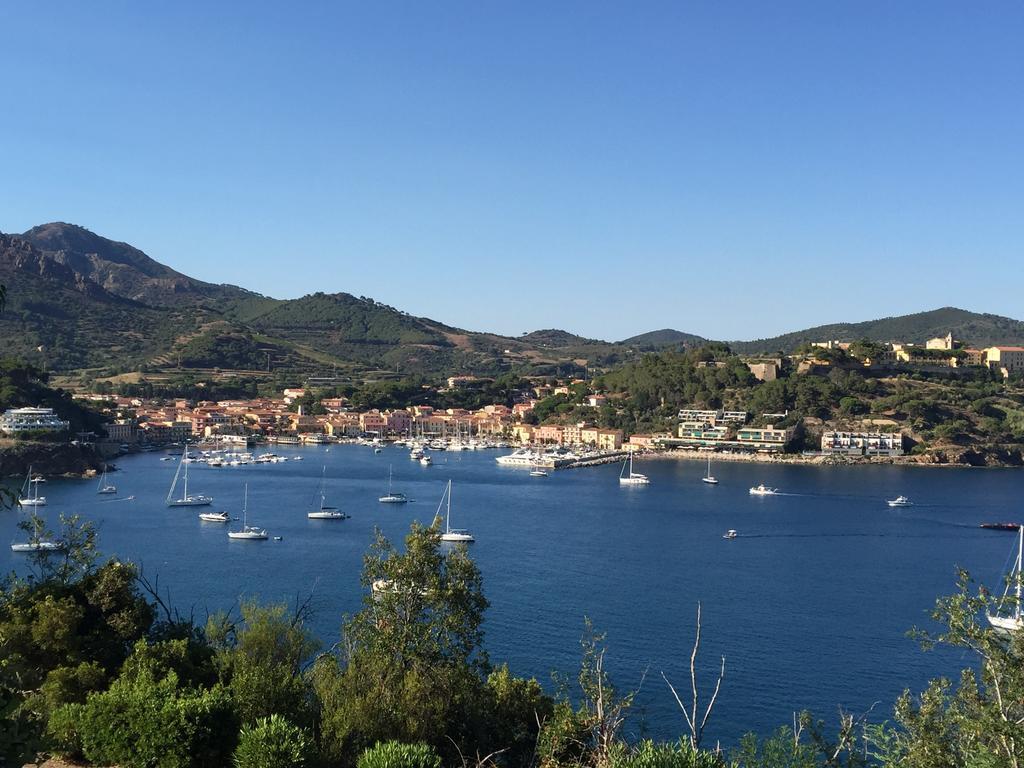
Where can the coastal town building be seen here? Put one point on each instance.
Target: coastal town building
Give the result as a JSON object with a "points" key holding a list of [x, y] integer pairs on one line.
{"points": [[31, 419], [1009, 361], [862, 443], [941, 342], [765, 437]]}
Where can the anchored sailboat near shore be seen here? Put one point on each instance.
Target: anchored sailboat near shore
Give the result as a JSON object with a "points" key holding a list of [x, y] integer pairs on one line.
{"points": [[196, 500], [247, 532], [105, 486], [452, 534], [1010, 619], [30, 492], [632, 478], [325, 512], [392, 496]]}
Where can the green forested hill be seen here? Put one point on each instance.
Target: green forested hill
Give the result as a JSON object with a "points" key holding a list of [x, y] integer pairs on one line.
{"points": [[977, 329], [81, 301]]}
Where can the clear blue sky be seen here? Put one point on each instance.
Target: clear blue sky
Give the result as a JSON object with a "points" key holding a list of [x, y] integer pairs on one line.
{"points": [[726, 168]]}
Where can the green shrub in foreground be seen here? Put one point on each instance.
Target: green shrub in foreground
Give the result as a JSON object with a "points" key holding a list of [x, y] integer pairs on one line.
{"points": [[649, 754], [395, 754], [272, 743]]}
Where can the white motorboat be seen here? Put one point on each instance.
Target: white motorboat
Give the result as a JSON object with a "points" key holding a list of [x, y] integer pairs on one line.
{"points": [[763, 490], [104, 486], [392, 497], [538, 473], [215, 517], [900, 501], [708, 477], [631, 478], [186, 499], [247, 532], [524, 457], [325, 512], [455, 535], [730, 534], [29, 496], [426, 461], [1006, 617]]}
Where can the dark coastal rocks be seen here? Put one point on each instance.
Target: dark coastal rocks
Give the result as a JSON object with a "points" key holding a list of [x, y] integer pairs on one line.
{"points": [[48, 459]]}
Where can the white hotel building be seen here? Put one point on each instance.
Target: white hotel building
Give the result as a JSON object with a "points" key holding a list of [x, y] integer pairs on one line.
{"points": [[30, 419]]}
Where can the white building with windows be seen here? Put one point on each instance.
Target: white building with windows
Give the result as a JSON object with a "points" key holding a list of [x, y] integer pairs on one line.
{"points": [[31, 419], [862, 443]]}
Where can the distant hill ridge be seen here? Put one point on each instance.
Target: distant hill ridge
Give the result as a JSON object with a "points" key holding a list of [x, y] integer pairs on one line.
{"points": [[978, 329], [89, 301]]}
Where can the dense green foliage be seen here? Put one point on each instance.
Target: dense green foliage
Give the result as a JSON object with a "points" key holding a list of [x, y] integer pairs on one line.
{"points": [[272, 742], [395, 754]]}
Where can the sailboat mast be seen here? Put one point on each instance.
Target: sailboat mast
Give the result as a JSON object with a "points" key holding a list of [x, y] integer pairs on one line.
{"points": [[448, 512], [1020, 558], [174, 482]]}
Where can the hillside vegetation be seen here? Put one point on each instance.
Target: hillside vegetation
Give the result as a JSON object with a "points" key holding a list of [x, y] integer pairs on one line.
{"points": [[81, 301]]}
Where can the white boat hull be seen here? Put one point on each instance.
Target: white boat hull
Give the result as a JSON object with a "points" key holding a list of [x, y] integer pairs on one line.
{"points": [[39, 546], [709, 480], [40, 502], [326, 515], [393, 500], [457, 537], [192, 501], [247, 535]]}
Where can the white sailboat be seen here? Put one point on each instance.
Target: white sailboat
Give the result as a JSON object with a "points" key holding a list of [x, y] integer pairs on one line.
{"points": [[1010, 620], [632, 478], [392, 497], [30, 492], [36, 542], [452, 534], [708, 477], [104, 486], [247, 532], [186, 500], [325, 512]]}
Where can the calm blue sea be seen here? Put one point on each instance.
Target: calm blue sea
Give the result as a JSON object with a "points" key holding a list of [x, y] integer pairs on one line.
{"points": [[810, 605]]}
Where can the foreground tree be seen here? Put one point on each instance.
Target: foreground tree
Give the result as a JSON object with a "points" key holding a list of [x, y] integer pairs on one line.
{"points": [[412, 667], [981, 721]]}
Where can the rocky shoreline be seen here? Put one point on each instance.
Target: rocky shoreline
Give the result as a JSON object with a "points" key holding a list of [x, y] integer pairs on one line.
{"points": [[50, 459], [943, 458]]}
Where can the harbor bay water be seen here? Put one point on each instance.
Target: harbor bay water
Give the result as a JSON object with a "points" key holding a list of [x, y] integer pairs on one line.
{"points": [[810, 603]]}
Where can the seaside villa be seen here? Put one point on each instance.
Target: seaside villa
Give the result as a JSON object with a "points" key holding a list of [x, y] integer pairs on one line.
{"points": [[31, 419]]}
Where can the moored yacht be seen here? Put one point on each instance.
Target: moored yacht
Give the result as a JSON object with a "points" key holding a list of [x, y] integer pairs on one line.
{"points": [[392, 496], [247, 532], [325, 512], [30, 492], [455, 535], [215, 517], [632, 478], [1006, 617], [186, 500]]}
